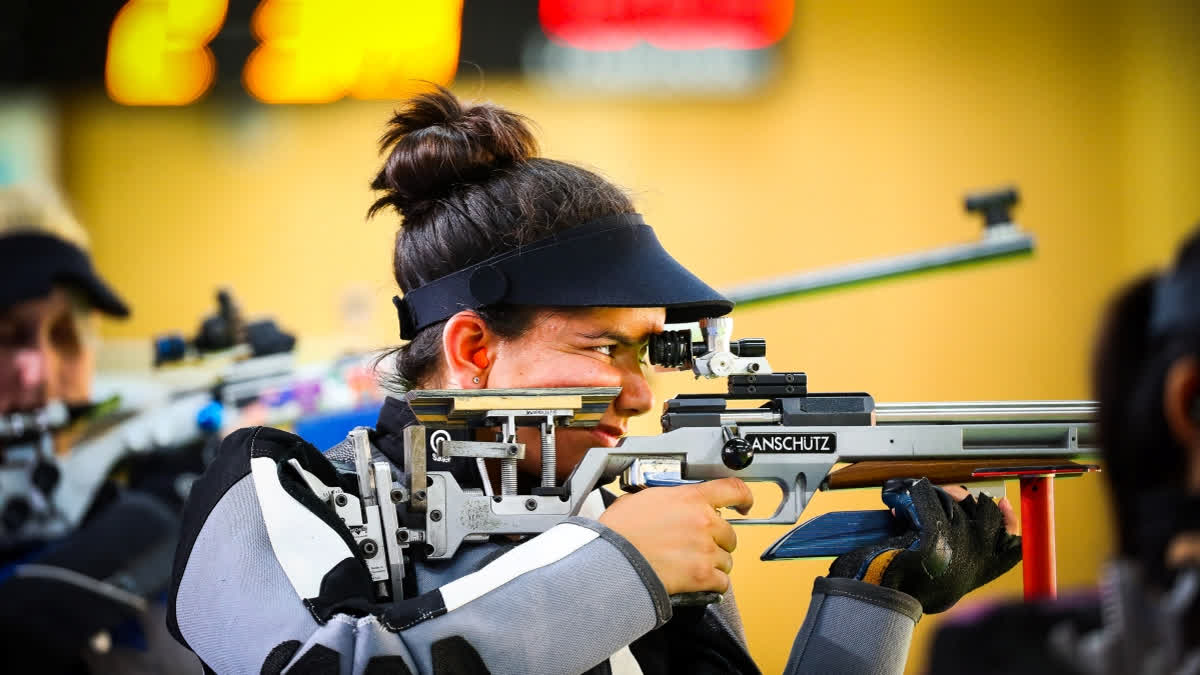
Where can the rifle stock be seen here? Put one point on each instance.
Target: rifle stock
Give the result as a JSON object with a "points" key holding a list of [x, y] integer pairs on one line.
{"points": [[948, 471]]}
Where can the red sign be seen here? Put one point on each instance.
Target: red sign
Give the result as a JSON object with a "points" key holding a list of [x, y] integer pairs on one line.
{"points": [[611, 25]]}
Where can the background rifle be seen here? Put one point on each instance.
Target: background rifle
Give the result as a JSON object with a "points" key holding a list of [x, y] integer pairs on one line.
{"points": [[44, 496]]}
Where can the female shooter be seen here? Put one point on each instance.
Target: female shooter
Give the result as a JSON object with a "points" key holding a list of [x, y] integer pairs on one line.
{"points": [[590, 594]]}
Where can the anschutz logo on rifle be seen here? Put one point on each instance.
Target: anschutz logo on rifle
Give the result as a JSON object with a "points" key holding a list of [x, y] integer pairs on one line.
{"points": [[792, 443]]}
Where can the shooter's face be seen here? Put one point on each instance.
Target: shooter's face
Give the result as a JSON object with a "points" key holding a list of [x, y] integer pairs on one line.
{"points": [[44, 355], [595, 347]]}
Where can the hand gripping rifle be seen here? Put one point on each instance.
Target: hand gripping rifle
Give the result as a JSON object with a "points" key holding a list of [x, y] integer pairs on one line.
{"points": [[793, 440]]}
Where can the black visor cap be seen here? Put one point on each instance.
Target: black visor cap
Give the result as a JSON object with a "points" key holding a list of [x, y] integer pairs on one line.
{"points": [[615, 261], [32, 263]]}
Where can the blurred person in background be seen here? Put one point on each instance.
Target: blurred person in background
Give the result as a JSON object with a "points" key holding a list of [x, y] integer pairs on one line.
{"points": [[1145, 619], [79, 600], [49, 292], [263, 555]]}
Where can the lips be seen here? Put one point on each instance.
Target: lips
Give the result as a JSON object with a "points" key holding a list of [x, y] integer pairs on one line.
{"points": [[608, 435]]}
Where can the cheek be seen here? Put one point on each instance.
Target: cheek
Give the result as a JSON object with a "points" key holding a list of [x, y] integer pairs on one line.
{"points": [[551, 368], [570, 446], [573, 444], [78, 377], [70, 375]]}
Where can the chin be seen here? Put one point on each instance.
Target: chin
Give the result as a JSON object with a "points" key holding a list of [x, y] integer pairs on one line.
{"points": [[573, 444]]}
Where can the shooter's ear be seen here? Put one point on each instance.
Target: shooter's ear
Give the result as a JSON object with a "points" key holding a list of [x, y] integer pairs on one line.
{"points": [[1181, 396], [467, 343]]}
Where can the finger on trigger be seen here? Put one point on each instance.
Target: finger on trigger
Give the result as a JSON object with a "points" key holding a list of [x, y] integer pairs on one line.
{"points": [[727, 492]]}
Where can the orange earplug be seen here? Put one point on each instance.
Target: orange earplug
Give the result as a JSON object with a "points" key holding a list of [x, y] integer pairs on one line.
{"points": [[480, 359]]}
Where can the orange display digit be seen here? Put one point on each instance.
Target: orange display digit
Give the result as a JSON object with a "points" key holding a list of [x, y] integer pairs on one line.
{"points": [[306, 51], [406, 44], [316, 51], [158, 51]]}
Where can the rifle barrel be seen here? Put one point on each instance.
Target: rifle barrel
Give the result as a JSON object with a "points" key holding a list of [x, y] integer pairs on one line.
{"points": [[985, 412]]}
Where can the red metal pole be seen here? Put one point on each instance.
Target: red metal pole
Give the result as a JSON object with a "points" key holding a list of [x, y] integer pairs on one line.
{"points": [[1037, 537]]}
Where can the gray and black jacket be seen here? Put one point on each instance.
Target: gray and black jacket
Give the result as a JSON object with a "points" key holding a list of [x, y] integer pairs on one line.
{"points": [[267, 579]]}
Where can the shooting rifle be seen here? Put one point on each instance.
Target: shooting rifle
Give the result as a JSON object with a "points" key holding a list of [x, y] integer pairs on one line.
{"points": [[793, 440]]}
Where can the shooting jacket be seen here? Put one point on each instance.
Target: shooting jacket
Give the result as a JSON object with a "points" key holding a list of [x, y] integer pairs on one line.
{"points": [[267, 579]]}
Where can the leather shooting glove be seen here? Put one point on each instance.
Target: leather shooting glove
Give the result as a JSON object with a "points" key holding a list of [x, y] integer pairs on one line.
{"points": [[949, 548]]}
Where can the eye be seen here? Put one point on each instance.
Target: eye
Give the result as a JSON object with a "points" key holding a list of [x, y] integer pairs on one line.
{"points": [[606, 350], [15, 335], [64, 336]]}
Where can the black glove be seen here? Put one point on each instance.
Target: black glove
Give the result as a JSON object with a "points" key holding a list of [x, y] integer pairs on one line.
{"points": [[950, 548]]}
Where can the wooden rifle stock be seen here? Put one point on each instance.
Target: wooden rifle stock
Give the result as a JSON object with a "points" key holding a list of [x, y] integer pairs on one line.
{"points": [[948, 471]]}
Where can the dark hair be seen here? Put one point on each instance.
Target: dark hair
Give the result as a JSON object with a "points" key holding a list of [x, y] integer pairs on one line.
{"points": [[469, 185], [1129, 370]]}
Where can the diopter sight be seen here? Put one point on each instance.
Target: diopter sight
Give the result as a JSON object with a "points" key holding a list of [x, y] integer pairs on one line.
{"points": [[714, 356]]}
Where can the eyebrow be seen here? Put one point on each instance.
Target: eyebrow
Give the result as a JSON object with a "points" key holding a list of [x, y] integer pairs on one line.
{"points": [[620, 338]]}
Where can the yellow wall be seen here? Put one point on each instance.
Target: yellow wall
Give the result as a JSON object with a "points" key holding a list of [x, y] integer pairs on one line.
{"points": [[1160, 78], [882, 115]]}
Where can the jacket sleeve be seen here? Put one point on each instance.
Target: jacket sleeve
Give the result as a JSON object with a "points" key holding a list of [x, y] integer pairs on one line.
{"points": [[698, 641], [267, 579], [855, 628]]}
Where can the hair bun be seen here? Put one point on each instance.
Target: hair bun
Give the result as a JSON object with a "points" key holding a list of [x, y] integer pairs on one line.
{"points": [[435, 142]]}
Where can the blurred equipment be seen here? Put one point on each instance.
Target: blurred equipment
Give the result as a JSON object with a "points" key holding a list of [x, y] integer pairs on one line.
{"points": [[716, 48], [250, 377], [222, 331], [19, 426], [44, 496], [247, 376], [1002, 238], [1144, 631]]}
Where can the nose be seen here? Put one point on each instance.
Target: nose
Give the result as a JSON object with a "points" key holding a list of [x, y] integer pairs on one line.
{"points": [[636, 397], [30, 369]]}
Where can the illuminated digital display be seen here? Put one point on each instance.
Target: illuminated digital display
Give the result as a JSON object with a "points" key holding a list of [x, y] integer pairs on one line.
{"points": [[309, 51], [609, 25], [658, 48], [316, 52], [172, 52]]}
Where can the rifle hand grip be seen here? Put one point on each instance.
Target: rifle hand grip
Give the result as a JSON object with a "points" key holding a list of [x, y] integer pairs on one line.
{"points": [[667, 479], [696, 599]]}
